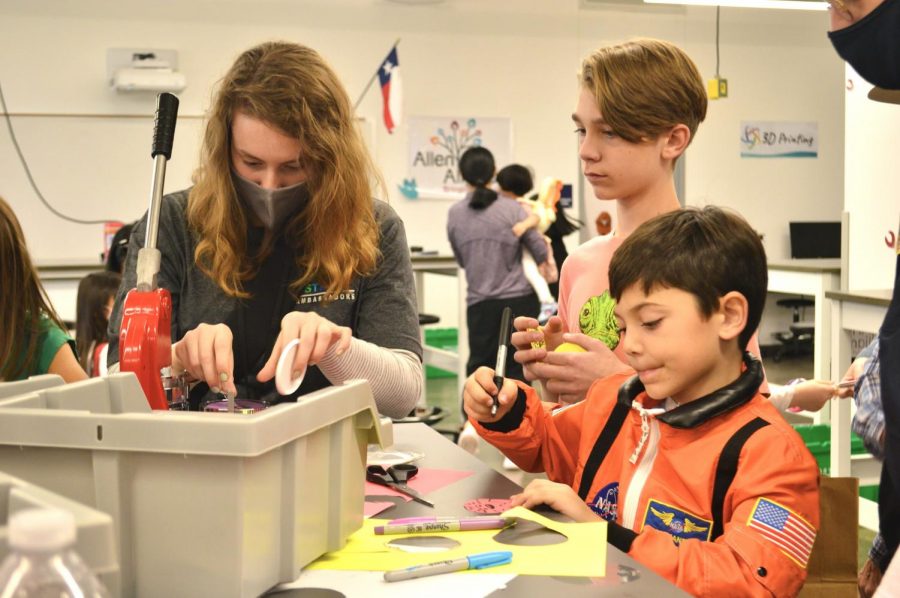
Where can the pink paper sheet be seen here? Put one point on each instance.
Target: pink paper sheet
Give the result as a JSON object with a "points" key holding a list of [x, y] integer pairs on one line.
{"points": [[427, 480], [488, 506]]}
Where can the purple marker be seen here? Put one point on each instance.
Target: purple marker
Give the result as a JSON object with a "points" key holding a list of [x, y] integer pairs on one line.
{"points": [[439, 525], [421, 520], [416, 520]]}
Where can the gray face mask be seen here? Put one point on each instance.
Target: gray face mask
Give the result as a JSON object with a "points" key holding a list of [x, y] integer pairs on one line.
{"points": [[273, 207]]}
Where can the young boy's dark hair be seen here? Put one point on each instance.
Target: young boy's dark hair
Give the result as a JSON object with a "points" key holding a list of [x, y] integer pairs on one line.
{"points": [[515, 179], [707, 252]]}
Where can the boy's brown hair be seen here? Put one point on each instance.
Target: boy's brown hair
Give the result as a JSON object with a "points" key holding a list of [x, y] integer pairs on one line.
{"points": [[645, 87], [706, 252]]}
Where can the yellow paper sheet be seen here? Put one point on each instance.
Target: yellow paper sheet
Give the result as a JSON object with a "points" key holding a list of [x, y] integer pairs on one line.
{"points": [[582, 555]]}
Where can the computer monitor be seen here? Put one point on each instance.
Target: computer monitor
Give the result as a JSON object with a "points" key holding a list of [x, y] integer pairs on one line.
{"points": [[815, 240]]}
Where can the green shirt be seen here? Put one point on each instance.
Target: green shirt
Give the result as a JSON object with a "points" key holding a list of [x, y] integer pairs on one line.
{"points": [[51, 340]]}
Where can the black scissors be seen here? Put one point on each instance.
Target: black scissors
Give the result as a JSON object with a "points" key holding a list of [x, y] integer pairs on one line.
{"points": [[396, 477]]}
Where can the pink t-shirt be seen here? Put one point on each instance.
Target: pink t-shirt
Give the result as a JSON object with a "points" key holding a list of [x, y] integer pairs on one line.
{"points": [[585, 304]]}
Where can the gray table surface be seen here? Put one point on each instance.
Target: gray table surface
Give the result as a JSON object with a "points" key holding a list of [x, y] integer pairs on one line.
{"points": [[624, 575]]}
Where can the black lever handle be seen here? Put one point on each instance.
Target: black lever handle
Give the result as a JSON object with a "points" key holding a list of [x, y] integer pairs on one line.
{"points": [[164, 127]]}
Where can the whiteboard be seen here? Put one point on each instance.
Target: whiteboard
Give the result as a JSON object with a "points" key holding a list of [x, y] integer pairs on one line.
{"points": [[87, 167]]}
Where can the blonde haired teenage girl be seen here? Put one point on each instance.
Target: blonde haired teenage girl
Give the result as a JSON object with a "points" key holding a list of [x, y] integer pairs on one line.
{"points": [[280, 238]]}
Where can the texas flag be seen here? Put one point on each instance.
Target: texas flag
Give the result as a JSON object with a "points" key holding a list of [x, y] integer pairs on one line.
{"points": [[391, 90]]}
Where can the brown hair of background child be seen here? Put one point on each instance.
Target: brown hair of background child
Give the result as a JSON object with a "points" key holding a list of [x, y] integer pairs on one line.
{"points": [[645, 87], [96, 292], [23, 302], [706, 252]]}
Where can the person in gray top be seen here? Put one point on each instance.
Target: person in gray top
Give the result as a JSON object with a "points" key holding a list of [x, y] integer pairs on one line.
{"points": [[480, 228], [280, 239]]}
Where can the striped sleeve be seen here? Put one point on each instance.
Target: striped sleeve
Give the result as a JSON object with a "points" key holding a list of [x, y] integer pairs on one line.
{"points": [[395, 374]]}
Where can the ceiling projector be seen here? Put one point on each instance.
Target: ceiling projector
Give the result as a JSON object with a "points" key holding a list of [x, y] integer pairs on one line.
{"points": [[148, 75]]}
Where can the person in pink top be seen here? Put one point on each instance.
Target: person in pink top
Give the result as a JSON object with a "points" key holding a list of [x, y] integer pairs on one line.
{"points": [[640, 105]]}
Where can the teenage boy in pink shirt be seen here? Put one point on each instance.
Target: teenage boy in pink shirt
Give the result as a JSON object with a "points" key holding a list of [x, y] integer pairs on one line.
{"points": [[640, 105]]}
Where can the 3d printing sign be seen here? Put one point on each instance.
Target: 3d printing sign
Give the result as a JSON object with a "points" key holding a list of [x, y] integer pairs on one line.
{"points": [[779, 139], [435, 145]]}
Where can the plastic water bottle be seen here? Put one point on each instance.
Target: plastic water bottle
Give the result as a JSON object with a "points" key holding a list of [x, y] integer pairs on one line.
{"points": [[42, 563]]}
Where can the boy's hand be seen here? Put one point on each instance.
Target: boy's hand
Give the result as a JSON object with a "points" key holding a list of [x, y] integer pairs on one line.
{"points": [[570, 375], [553, 333], [527, 332], [519, 229], [559, 497], [478, 395]]}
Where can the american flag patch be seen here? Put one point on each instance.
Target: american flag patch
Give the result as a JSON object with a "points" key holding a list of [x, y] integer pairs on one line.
{"points": [[784, 528]]}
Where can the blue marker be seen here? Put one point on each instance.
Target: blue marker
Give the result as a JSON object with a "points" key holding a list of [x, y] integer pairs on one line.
{"points": [[475, 561]]}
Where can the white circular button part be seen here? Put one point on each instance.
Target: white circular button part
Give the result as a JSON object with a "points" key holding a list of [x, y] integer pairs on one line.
{"points": [[285, 384]]}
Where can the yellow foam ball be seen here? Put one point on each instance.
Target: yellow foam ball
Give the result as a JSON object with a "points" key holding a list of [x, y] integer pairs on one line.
{"points": [[570, 348]]}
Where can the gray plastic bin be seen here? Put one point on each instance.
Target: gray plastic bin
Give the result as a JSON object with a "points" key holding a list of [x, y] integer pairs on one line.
{"points": [[11, 389], [204, 504]]}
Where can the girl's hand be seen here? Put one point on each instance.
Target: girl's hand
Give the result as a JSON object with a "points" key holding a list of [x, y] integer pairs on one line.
{"points": [[811, 395], [317, 335], [205, 353]]}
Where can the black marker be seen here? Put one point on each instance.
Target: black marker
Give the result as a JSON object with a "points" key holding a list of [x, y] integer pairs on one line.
{"points": [[500, 370]]}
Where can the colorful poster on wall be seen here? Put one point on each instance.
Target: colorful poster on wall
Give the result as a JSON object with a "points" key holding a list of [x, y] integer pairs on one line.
{"points": [[435, 145], [779, 139]]}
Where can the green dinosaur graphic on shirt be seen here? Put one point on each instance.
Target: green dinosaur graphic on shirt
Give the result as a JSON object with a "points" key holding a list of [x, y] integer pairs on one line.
{"points": [[597, 321]]}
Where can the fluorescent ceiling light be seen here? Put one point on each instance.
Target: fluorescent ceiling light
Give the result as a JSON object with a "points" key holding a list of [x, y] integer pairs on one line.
{"points": [[782, 4]]}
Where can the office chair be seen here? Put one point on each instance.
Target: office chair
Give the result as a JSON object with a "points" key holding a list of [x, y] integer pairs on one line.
{"points": [[798, 339]]}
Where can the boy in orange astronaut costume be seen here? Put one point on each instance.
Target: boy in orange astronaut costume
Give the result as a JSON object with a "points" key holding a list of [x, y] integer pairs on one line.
{"points": [[699, 477]]}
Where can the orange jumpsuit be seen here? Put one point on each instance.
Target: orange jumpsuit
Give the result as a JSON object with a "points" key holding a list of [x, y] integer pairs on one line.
{"points": [[657, 493]]}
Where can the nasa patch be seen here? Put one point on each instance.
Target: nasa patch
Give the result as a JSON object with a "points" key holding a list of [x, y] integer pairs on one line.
{"points": [[606, 502]]}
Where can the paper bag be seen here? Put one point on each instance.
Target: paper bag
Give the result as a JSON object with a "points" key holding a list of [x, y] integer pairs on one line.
{"points": [[832, 565]]}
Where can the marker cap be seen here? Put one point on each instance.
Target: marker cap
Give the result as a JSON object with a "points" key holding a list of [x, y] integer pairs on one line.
{"points": [[489, 559]]}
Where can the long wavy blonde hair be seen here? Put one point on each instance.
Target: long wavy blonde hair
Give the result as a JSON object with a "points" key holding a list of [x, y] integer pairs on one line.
{"points": [[290, 87]]}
